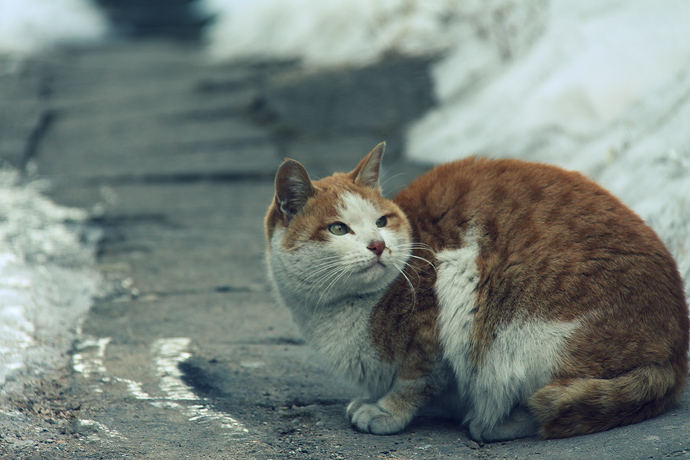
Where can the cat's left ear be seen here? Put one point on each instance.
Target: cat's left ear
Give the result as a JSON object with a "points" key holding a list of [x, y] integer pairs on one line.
{"points": [[293, 188], [367, 172]]}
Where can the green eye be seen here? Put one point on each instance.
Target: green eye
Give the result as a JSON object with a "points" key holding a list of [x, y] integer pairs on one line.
{"points": [[339, 229], [382, 222]]}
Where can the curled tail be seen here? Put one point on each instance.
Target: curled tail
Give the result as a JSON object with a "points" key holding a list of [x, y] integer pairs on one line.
{"points": [[579, 406]]}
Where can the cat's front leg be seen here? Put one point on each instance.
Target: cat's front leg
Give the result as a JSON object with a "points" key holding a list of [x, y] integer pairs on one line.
{"points": [[393, 412]]}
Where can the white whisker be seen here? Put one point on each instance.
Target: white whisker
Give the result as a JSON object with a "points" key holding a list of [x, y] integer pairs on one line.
{"points": [[412, 288], [324, 293]]}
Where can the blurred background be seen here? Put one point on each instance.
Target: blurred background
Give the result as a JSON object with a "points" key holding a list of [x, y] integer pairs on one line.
{"points": [[597, 86], [105, 99]]}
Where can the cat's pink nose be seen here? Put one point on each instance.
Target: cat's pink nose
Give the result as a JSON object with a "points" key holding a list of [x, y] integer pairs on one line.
{"points": [[377, 247]]}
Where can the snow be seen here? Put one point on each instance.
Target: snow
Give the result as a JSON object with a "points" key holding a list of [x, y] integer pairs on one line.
{"points": [[28, 26], [327, 33], [588, 69], [46, 282]]}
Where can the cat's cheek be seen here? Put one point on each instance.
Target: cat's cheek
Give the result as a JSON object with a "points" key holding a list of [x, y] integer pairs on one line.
{"points": [[398, 251], [342, 245]]}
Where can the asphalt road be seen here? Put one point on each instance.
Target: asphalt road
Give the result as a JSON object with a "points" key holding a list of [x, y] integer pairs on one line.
{"points": [[185, 355]]}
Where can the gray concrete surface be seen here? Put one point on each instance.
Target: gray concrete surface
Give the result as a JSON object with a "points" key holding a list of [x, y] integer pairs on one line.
{"points": [[185, 354]]}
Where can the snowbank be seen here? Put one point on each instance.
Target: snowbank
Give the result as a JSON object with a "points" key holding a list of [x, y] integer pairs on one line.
{"points": [[596, 60], [27, 26], [356, 32], [46, 277], [605, 90], [46, 282]]}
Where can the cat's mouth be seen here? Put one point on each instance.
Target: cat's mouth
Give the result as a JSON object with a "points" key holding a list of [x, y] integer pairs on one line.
{"points": [[372, 266]]}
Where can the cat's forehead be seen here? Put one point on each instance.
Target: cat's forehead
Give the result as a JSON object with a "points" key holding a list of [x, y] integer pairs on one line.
{"points": [[340, 195], [354, 205]]}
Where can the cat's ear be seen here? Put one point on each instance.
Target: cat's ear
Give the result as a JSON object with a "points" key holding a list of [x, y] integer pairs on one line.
{"points": [[367, 172], [293, 188]]}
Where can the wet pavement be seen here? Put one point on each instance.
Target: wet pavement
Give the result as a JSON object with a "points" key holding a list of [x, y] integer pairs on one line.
{"points": [[185, 354]]}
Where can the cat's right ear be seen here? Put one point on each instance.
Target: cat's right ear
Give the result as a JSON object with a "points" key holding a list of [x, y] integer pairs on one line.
{"points": [[368, 170], [293, 189]]}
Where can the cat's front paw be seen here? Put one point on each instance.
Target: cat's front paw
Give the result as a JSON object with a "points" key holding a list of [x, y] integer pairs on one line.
{"points": [[371, 418], [354, 406]]}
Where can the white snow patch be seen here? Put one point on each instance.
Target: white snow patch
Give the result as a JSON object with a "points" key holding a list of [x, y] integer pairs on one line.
{"points": [[168, 353], [111, 433], [30, 25], [89, 359], [46, 282], [343, 32]]}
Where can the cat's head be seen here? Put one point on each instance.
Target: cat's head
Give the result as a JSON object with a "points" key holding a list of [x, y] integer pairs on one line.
{"points": [[335, 237]]}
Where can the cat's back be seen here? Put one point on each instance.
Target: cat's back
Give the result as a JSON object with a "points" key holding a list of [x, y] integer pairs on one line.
{"points": [[550, 242], [515, 197]]}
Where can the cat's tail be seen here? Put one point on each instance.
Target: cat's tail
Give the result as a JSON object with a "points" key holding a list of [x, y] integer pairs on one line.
{"points": [[579, 406]]}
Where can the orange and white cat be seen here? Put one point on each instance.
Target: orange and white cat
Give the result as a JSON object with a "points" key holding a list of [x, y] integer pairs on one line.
{"points": [[522, 298]]}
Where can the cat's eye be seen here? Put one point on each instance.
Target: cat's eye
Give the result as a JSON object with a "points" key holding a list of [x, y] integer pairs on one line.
{"points": [[382, 222], [339, 229]]}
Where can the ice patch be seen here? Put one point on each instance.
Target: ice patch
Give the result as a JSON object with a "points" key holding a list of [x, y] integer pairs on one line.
{"points": [[46, 281]]}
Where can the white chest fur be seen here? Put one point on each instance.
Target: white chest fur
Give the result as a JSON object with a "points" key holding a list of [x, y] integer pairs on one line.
{"points": [[339, 331], [341, 336]]}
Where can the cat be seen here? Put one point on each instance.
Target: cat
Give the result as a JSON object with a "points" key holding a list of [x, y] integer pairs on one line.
{"points": [[522, 298]]}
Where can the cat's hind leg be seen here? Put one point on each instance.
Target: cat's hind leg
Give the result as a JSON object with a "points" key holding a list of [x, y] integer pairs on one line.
{"points": [[519, 424]]}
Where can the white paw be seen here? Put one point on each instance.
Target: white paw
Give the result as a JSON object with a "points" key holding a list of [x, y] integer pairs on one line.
{"points": [[354, 406], [371, 418]]}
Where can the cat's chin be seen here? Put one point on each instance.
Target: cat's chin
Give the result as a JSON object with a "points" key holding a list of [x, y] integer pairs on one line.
{"points": [[373, 268], [374, 278]]}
